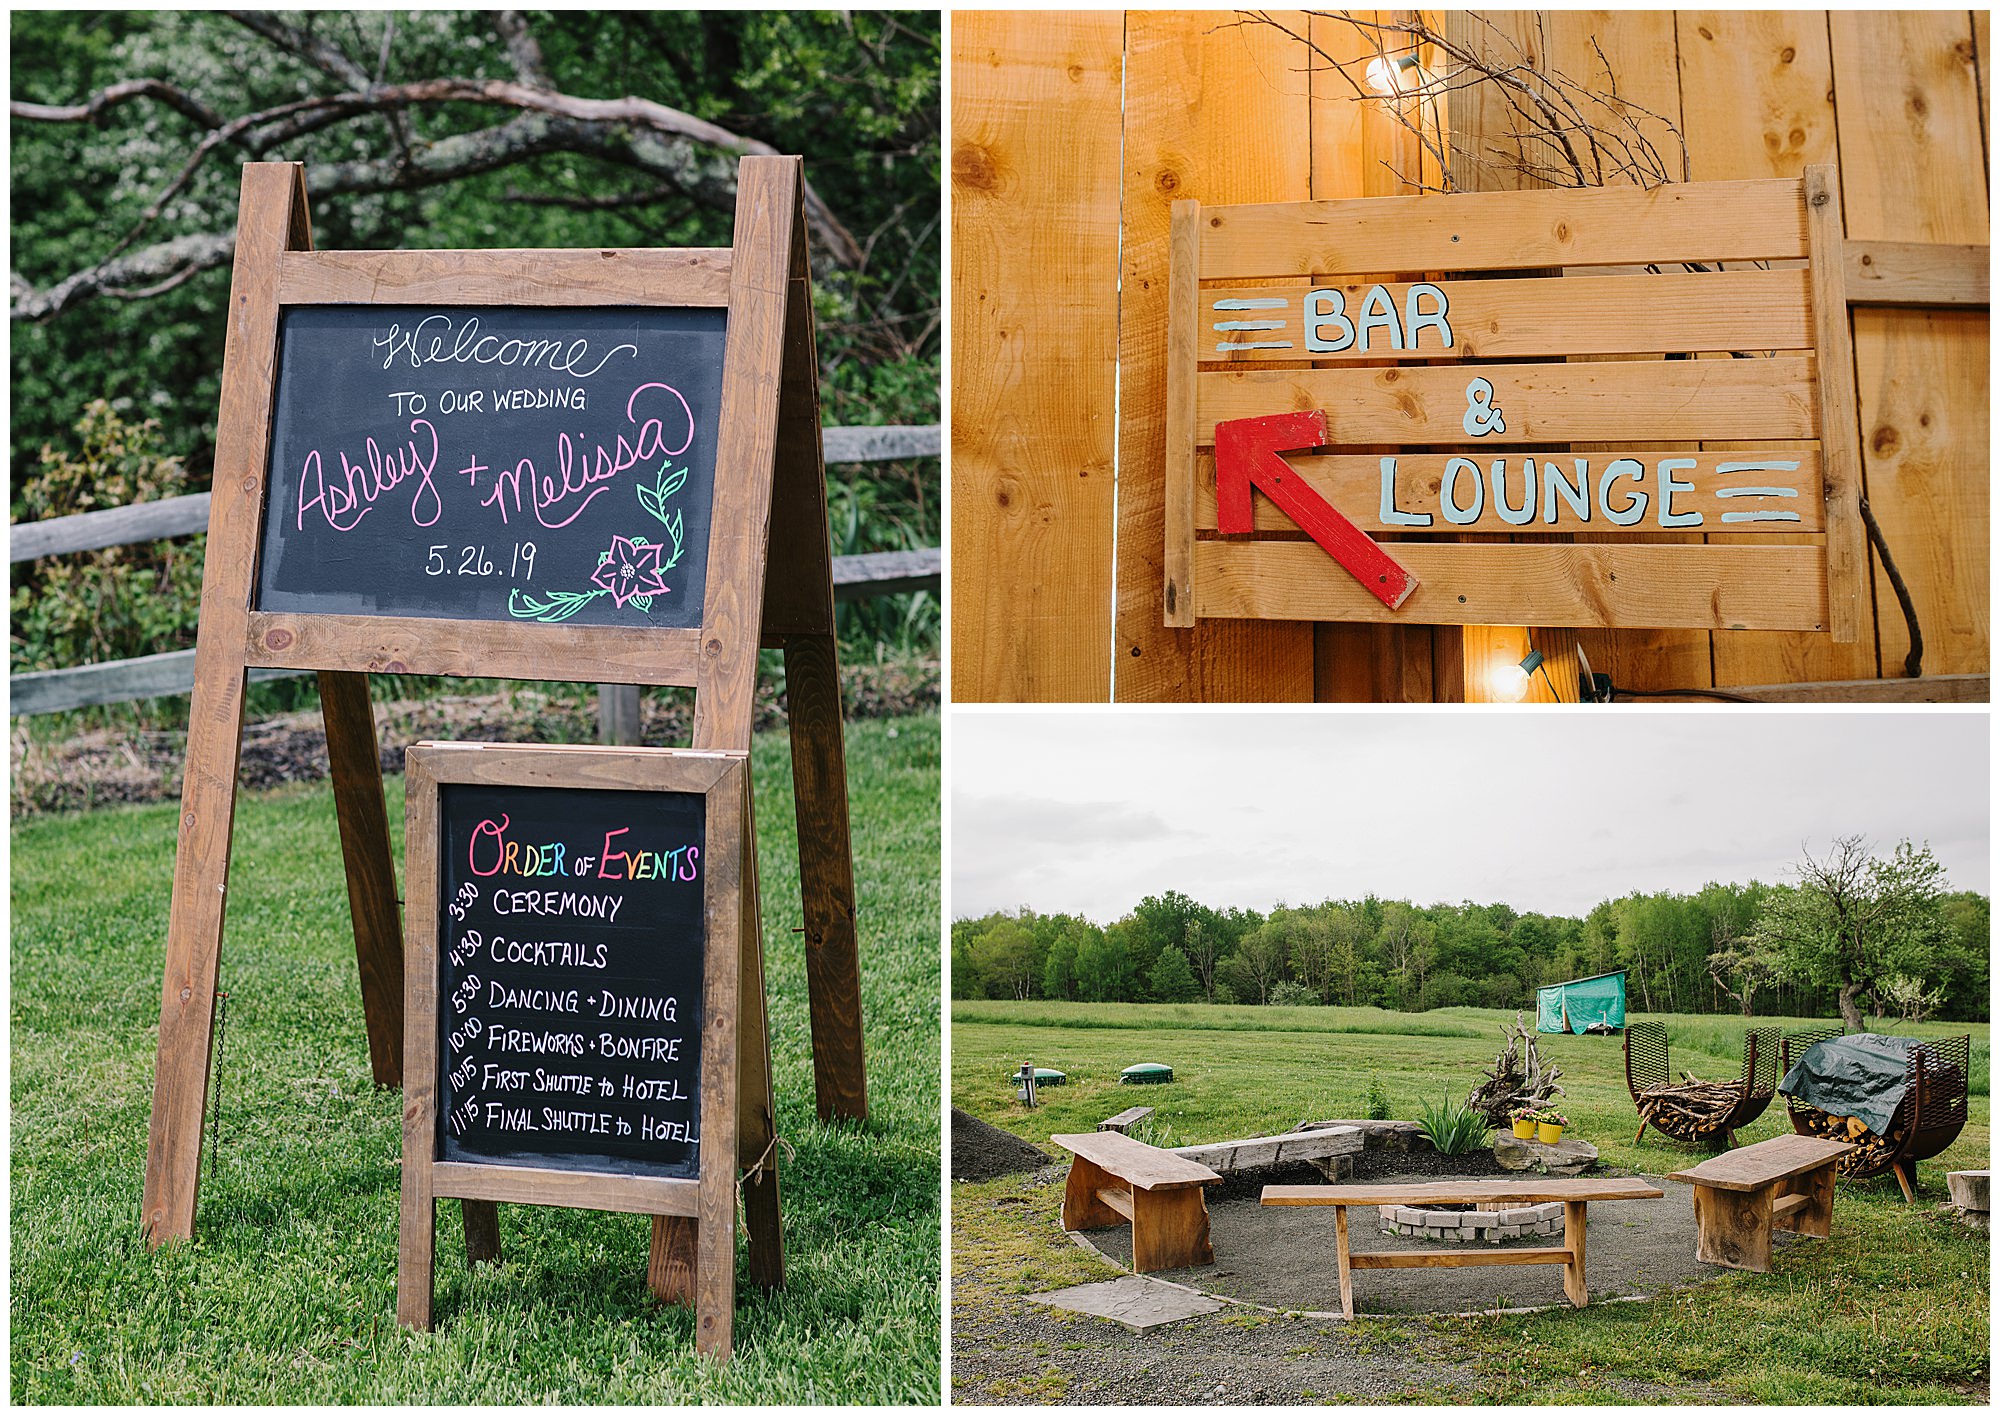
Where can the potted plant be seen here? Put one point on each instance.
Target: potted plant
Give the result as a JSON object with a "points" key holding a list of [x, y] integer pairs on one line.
{"points": [[1524, 1123], [1549, 1124]]}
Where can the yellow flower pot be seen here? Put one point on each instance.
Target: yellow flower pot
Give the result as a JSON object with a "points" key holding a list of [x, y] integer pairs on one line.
{"points": [[1524, 1130], [1548, 1135]]}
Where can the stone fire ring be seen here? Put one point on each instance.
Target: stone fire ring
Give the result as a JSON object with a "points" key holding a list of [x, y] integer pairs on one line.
{"points": [[1472, 1226]]}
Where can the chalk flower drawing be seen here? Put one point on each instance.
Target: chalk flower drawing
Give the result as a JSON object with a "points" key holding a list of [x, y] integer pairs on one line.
{"points": [[629, 569], [631, 572]]}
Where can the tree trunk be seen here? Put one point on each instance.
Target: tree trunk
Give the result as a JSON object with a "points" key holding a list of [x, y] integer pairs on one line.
{"points": [[1850, 1009]]}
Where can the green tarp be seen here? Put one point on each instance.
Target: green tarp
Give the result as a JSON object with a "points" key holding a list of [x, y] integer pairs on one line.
{"points": [[1578, 1004], [1863, 1075]]}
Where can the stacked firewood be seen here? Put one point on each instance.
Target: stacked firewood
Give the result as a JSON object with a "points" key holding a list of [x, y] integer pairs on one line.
{"points": [[1871, 1152], [1688, 1109]]}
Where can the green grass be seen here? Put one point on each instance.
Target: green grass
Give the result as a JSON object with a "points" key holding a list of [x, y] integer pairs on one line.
{"points": [[1893, 1308], [287, 1294]]}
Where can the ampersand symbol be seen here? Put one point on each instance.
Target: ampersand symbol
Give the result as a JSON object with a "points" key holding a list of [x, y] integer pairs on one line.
{"points": [[1481, 416]]}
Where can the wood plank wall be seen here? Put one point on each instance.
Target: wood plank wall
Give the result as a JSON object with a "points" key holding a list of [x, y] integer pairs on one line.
{"points": [[1228, 113], [1036, 128]]}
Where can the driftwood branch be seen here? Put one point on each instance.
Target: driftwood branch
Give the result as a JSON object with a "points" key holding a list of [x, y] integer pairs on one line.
{"points": [[690, 156], [1570, 133]]}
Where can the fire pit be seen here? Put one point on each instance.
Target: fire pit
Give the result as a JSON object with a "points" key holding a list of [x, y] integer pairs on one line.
{"points": [[1466, 1224]]}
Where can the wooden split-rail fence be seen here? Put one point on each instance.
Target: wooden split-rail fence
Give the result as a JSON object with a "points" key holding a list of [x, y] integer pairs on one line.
{"points": [[858, 577]]}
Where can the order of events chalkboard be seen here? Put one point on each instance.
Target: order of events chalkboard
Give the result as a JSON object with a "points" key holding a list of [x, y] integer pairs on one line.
{"points": [[535, 465], [570, 941]]}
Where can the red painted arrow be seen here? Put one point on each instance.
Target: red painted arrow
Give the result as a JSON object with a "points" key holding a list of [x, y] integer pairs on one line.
{"points": [[1246, 452]]}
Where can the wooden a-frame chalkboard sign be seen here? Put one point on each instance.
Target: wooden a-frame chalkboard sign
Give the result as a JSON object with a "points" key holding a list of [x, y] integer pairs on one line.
{"points": [[586, 1023], [587, 465]]}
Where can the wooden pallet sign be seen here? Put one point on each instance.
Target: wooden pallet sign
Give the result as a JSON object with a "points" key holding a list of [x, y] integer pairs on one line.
{"points": [[1567, 401], [597, 466], [622, 1066]]}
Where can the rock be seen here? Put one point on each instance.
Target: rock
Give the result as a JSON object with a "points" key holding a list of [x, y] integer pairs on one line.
{"points": [[1565, 1157], [1970, 1189], [1294, 1146], [1402, 1136]]}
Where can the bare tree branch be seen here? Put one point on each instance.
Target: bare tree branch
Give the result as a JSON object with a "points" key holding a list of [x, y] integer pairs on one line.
{"points": [[174, 97], [183, 256], [322, 54], [693, 157]]}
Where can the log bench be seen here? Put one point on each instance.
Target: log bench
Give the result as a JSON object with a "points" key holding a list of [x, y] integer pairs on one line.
{"points": [[1575, 1195], [1739, 1198], [1117, 1180]]}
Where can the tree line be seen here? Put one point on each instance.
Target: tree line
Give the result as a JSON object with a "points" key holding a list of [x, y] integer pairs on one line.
{"points": [[1858, 932]]}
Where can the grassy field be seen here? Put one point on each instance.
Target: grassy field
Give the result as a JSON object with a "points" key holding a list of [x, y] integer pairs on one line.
{"points": [[288, 1293], [1893, 1308]]}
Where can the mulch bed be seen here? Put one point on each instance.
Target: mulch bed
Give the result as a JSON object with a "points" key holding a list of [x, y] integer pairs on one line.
{"points": [[130, 765], [980, 1151]]}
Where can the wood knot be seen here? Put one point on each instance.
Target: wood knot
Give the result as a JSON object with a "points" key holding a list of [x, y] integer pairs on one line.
{"points": [[1075, 72], [1820, 199], [278, 639], [1885, 441], [713, 649], [1787, 54], [1168, 180], [973, 166]]}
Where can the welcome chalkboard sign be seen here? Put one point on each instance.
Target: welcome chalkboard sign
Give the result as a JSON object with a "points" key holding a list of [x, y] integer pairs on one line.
{"points": [[545, 466], [583, 1011], [570, 930], [1571, 394], [600, 466]]}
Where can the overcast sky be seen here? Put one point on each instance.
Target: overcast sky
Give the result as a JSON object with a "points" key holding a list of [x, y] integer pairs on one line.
{"points": [[1090, 812]]}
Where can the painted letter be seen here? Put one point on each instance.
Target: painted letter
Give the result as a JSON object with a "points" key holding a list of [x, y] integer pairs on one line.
{"points": [[1668, 486], [1577, 496], [1448, 502], [1318, 318], [1378, 310], [1390, 515], [1629, 514], [1508, 514], [1415, 319]]}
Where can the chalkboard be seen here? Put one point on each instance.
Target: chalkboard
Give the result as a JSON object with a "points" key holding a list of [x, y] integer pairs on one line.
{"points": [[534, 465], [570, 943]]}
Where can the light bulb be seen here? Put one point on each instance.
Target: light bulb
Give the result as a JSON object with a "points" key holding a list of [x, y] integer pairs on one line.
{"points": [[1507, 681], [1382, 75]]}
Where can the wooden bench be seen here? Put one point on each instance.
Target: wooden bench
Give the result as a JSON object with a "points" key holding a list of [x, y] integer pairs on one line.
{"points": [[1740, 1197], [1574, 1194], [1125, 1120], [1117, 1180]]}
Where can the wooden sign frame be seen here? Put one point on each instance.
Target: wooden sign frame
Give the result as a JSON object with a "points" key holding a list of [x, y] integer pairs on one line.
{"points": [[736, 1100], [1580, 319], [769, 513]]}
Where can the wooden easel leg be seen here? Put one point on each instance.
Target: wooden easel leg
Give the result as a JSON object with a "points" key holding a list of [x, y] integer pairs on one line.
{"points": [[715, 1221], [670, 1268], [416, 1261], [756, 1114], [194, 950], [482, 1231], [354, 755], [1906, 1176], [826, 876]]}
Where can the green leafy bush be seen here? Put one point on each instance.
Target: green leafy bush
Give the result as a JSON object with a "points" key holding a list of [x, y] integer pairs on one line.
{"points": [[1378, 1100], [1293, 995], [115, 603], [1453, 1127]]}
